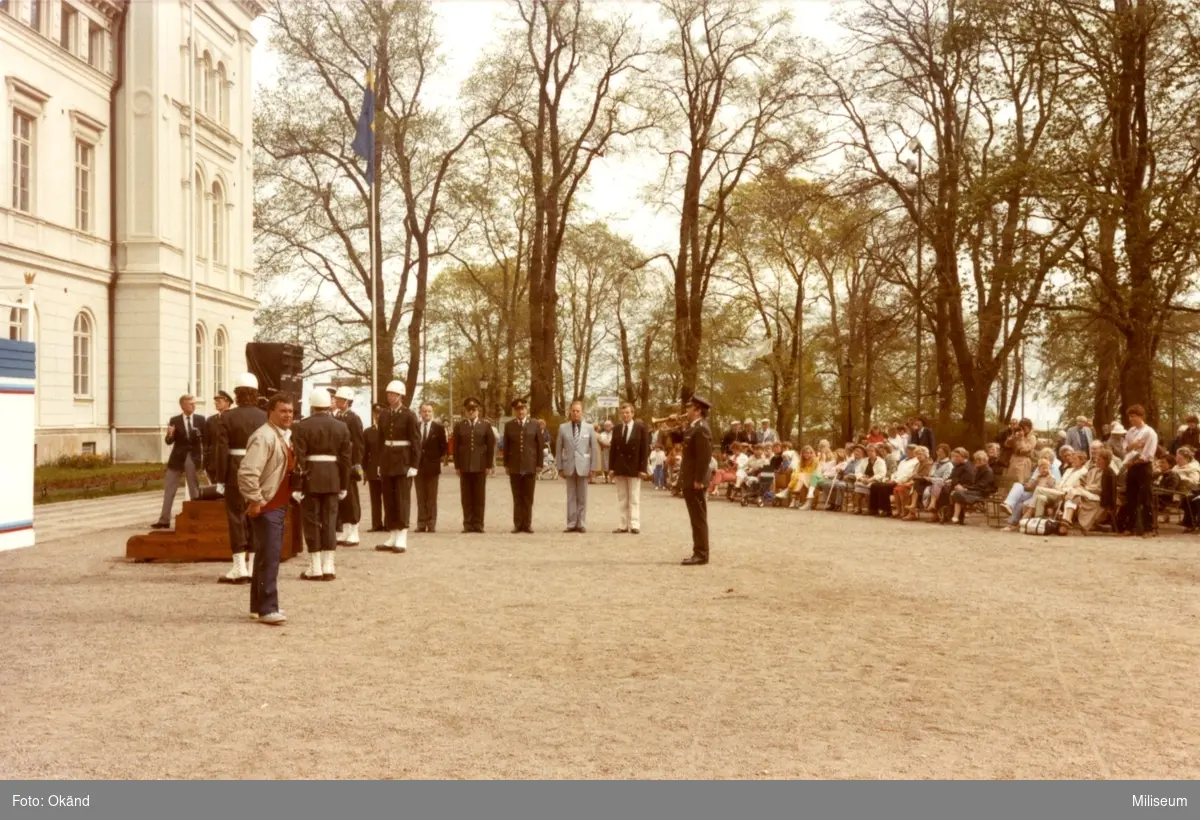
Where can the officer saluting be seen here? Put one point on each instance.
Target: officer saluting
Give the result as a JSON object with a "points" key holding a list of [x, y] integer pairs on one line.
{"points": [[229, 447], [397, 465], [474, 456], [322, 447], [522, 458], [694, 477]]}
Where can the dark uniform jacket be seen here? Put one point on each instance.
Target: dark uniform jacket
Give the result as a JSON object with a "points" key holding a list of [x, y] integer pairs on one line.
{"points": [[697, 453], [321, 435], [398, 427], [182, 445], [628, 458], [357, 443], [235, 430], [210, 444], [432, 450], [522, 447], [474, 446], [372, 453]]}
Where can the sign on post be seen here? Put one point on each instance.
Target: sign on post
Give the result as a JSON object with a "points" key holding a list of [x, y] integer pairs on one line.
{"points": [[608, 401]]}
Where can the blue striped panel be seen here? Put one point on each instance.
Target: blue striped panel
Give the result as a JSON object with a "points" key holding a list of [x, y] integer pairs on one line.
{"points": [[17, 359]]}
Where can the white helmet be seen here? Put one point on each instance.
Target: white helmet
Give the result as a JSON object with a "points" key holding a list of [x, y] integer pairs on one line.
{"points": [[319, 400], [396, 386], [248, 380], [346, 393]]}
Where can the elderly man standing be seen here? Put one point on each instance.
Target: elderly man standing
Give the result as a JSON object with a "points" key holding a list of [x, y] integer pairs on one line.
{"points": [[264, 478], [766, 435], [578, 459], [629, 456], [185, 434], [1079, 436]]}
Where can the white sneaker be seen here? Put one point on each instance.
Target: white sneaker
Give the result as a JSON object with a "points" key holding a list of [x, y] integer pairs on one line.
{"points": [[327, 566], [238, 573], [274, 619]]}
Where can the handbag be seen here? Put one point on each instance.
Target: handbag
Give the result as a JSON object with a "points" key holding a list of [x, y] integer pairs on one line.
{"points": [[1040, 526]]}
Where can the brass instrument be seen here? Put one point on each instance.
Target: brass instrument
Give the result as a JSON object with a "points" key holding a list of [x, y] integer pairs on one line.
{"points": [[674, 419]]}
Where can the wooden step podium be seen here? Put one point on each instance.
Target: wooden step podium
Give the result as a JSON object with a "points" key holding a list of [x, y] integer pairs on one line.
{"points": [[202, 534]]}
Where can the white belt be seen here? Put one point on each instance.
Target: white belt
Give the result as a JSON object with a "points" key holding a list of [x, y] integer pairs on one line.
{"points": [[397, 443], [322, 458], [237, 452]]}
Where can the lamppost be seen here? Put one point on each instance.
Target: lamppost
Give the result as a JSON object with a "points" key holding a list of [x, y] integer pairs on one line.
{"points": [[918, 168], [483, 386]]}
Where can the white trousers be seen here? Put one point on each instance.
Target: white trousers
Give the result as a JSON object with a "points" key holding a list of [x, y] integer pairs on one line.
{"points": [[629, 499]]}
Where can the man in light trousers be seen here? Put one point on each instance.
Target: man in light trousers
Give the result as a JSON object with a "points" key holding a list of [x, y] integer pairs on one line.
{"points": [[578, 460], [627, 460]]}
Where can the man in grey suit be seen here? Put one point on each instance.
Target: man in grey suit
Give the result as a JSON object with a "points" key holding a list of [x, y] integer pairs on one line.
{"points": [[578, 460]]}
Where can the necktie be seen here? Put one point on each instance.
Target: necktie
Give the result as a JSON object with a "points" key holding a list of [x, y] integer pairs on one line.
{"points": [[424, 431], [576, 426], [187, 427], [628, 429]]}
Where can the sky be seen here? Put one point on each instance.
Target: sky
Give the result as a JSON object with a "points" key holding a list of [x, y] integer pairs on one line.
{"points": [[616, 185]]}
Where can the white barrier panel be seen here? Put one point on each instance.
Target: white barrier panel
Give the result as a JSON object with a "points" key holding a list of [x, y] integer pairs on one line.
{"points": [[16, 445]]}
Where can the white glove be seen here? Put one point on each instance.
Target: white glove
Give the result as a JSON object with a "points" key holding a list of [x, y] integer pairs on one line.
{"points": [[412, 472], [299, 496], [221, 489], [342, 495]]}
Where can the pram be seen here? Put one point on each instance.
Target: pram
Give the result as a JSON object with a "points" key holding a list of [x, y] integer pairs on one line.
{"points": [[757, 490], [549, 470]]}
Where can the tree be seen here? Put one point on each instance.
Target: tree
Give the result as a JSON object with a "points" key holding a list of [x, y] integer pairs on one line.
{"points": [[731, 76]]}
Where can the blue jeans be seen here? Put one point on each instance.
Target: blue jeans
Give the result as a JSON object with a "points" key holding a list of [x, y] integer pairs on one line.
{"points": [[268, 543], [660, 479]]}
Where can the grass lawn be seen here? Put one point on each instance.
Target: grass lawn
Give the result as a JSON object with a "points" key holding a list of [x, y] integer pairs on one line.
{"points": [[52, 483]]}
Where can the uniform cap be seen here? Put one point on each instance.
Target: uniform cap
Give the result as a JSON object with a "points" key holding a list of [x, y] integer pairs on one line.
{"points": [[396, 386], [701, 402], [248, 380], [221, 394], [319, 400], [517, 403], [471, 403], [346, 393]]}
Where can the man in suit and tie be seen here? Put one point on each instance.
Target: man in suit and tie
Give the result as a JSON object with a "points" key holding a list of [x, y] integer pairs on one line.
{"points": [[186, 437], [922, 434], [522, 458], [629, 453], [474, 459], [578, 460], [694, 476], [432, 446]]}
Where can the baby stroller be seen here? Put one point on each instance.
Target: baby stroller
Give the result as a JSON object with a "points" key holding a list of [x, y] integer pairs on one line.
{"points": [[549, 470], [757, 489]]}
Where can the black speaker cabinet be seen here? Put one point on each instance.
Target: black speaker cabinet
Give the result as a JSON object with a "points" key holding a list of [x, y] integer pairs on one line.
{"points": [[277, 367]]}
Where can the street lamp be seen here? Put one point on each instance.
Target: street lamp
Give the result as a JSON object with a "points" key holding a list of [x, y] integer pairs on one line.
{"points": [[918, 168], [483, 386]]}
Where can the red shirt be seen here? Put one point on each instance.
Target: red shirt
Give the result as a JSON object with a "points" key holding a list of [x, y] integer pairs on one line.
{"points": [[284, 492]]}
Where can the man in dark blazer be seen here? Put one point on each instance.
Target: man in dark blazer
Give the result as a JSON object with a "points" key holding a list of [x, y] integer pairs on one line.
{"points": [[522, 459], [232, 436], [474, 460], [694, 477], [321, 479], [627, 459], [432, 446], [397, 466], [185, 434], [222, 401], [371, 456], [922, 435]]}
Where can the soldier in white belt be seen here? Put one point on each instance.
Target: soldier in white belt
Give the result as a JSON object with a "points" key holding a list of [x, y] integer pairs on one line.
{"points": [[235, 429], [322, 447], [397, 465]]}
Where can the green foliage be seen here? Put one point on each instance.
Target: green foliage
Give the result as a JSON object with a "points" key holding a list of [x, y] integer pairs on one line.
{"points": [[84, 461]]}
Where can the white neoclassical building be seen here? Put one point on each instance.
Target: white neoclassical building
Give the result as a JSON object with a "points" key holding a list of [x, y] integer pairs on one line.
{"points": [[97, 190]]}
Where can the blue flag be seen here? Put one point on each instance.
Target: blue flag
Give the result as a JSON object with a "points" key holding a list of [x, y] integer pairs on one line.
{"points": [[364, 136]]}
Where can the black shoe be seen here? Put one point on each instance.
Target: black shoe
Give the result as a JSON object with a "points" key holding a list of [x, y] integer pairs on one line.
{"points": [[158, 525], [377, 529], [694, 561], [619, 532], [571, 529], [517, 530], [635, 532], [528, 531], [431, 529], [581, 530], [467, 530]]}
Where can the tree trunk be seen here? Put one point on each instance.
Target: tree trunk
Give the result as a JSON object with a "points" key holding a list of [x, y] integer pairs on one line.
{"points": [[975, 418]]}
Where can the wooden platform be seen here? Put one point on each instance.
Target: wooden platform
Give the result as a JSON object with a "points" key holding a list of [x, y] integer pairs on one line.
{"points": [[202, 534]]}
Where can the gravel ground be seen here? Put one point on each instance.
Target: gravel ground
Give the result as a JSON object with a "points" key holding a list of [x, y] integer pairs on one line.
{"points": [[816, 645]]}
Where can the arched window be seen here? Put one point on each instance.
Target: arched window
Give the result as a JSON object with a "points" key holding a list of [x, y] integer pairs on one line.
{"points": [[219, 345], [198, 195], [206, 80], [82, 356], [222, 96], [199, 388], [218, 223], [15, 325]]}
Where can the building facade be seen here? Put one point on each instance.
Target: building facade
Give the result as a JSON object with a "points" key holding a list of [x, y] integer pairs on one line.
{"points": [[100, 199]]}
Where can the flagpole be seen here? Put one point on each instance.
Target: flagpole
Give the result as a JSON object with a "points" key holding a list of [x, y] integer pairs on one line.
{"points": [[374, 240]]}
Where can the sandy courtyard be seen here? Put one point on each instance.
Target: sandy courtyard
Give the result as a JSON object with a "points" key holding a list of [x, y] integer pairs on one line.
{"points": [[816, 645]]}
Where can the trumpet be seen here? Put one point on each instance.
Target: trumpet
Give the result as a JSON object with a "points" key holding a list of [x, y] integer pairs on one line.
{"points": [[674, 418]]}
